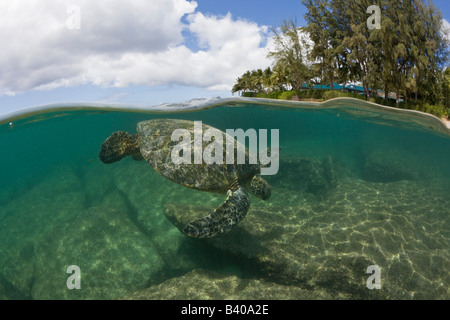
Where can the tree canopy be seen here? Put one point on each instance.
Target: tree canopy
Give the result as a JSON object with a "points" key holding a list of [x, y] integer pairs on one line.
{"points": [[406, 55]]}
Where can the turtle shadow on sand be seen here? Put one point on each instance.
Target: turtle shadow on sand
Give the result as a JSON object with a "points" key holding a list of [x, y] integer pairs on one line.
{"points": [[180, 214], [153, 142], [250, 243]]}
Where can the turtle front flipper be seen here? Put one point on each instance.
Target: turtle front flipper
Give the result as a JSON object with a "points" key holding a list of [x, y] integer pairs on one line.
{"points": [[224, 218], [119, 145]]}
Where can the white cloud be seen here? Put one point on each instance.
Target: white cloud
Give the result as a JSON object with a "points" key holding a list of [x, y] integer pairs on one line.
{"points": [[121, 43], [215, 32], [446, 29]]}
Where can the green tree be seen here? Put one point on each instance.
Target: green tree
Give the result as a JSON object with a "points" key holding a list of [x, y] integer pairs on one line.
{"points": [[412, 48], [258, 81], [279, 77], [242, 83], [436, 50], [446, 87], [406, 55], [290, 52], [323, 29]]}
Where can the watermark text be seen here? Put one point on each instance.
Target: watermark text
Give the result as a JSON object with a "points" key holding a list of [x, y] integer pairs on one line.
{"points": [[214, 153]]}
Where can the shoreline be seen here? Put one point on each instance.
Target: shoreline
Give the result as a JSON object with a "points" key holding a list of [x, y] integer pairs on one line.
{"points": [[349, 106], [298, 96], [446, 122]]}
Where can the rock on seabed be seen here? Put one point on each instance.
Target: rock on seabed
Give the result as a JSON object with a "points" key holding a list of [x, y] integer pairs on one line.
{"points": [[401, 227]]}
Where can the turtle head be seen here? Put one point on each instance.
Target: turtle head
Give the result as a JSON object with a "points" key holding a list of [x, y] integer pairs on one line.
{"points": [[119, 145]]}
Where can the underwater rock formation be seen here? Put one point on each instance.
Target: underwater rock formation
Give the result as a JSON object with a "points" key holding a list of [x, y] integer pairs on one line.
{"points": [[113, 255], [7, 291], [25, 221], [389, 166], [207, 285], [331, 244], [310, 240], [315, 176], [142, 188]]}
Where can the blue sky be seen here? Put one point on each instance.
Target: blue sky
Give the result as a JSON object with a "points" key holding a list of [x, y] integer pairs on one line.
{"points": [[143, 52]]}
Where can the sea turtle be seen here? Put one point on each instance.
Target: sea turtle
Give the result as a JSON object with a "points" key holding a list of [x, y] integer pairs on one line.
{"points": [[155, 144]]}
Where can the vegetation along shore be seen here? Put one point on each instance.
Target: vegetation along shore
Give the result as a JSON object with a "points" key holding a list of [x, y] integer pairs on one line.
{"points": [[401, 63]]}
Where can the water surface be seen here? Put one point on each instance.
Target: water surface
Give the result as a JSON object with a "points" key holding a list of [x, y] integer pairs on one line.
{"points": [[358, 185]]}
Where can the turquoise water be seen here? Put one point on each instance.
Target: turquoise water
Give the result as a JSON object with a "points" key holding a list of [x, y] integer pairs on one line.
{"points": [[358, 185]]}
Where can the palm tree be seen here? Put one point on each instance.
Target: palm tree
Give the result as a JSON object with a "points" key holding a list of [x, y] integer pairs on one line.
{"points": [[267, 80]]}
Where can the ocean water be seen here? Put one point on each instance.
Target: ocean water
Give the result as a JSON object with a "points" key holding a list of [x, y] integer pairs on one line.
{"points": [[360, 207]]}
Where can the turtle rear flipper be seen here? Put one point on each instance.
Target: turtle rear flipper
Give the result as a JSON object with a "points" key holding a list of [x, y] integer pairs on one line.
{"points": [[224, 218]]}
